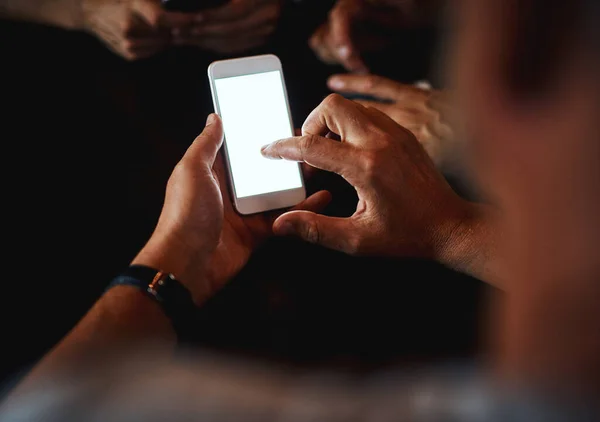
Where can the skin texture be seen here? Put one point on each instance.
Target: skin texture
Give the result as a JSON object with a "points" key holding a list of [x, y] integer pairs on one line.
{"points": [[133, 29], [137, 29], [388, 168], [426, 113]]}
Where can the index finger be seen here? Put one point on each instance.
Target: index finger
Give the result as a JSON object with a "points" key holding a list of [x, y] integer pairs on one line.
{"points": [[339, 115], [317, 151], [376, 86]]}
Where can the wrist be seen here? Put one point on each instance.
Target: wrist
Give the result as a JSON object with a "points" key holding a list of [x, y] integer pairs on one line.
{"points": [[187, 264], [463, 243], [146, 321]]}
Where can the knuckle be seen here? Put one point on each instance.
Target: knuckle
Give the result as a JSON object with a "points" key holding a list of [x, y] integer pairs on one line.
{"points": [[311, 232], [354, 245], [370, 82], [369, 164], [179, 170], [128, 46], [333, 101], [127, 26], [307, 143]]}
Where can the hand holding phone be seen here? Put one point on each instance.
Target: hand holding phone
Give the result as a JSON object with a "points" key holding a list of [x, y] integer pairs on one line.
{"points": [[250, 96]]}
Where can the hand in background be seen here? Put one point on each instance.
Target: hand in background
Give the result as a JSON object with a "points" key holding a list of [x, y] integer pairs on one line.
{"points": [[238, 26], [424, 112], [405, 206], [134, 29], [353, 27]]}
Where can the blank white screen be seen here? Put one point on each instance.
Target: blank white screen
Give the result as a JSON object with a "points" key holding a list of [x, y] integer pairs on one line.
{"points": [[254, 114]]}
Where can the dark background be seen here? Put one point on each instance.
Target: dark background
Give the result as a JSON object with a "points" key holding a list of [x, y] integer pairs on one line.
{"points": [[88, 142]]}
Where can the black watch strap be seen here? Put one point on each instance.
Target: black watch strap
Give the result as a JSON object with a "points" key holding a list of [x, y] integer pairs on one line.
{"points": [[175, 300]]}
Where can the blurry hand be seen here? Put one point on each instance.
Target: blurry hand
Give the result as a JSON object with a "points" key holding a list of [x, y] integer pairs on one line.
{"points": [[199, 236], [351, 29], [134, 29], [238, 26], [405, 206], [424, 112]]}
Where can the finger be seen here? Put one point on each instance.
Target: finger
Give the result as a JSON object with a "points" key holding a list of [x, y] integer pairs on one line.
{"points": [[205, 147], [406, 117], [339, 115], [331, 232], [264, 16], [233, 10], [155, 16], [141, 43], [141, 53], [315, 203], [340, 35], [320, 47], [385, 108], [376, 86], [316, 151]]}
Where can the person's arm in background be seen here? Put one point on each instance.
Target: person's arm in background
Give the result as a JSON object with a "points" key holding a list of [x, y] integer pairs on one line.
{"points": [[405, 207], [134, 29]]}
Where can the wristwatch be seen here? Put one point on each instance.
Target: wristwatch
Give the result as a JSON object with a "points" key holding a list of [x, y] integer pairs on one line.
{"points": [[174, 299]]}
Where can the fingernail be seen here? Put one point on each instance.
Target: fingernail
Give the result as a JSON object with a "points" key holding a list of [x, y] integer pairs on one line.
{"points": [[196, 31], [344, 52], [211, 119], [198, 18], [284, 229], [335, 83], [266, 152], [176, 32]]}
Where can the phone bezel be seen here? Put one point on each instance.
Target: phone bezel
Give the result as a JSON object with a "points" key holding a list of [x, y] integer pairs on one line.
{"points": [[249, 66]]}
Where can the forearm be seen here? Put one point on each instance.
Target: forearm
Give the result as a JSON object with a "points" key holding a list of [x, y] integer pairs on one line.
{"points": [[124, 320], [61, 13], [472, 247]]}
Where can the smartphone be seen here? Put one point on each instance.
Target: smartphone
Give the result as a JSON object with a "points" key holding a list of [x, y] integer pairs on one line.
{"points": [[250, 96], [192, 5]]}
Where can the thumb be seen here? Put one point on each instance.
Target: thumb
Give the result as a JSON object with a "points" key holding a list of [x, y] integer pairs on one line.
{"points": [[331, 232], [205, 147]]}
